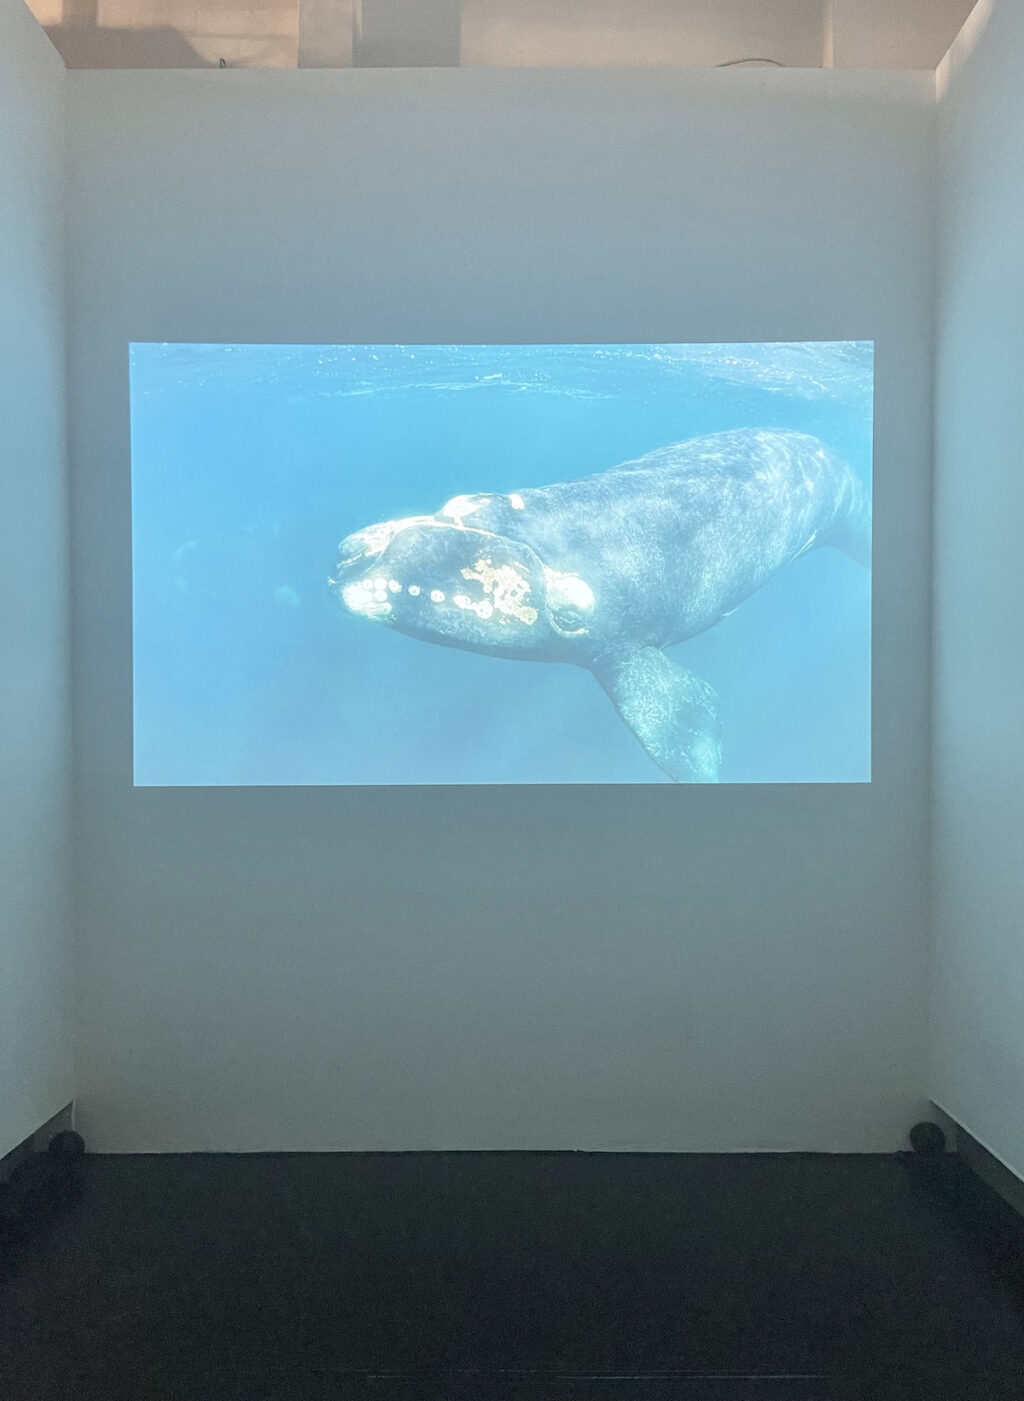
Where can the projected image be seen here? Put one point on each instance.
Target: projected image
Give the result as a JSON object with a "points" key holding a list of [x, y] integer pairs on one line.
{"points": [[557, 564]]}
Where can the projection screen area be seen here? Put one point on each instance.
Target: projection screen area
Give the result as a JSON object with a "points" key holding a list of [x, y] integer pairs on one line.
{"points": [[557, 563]]}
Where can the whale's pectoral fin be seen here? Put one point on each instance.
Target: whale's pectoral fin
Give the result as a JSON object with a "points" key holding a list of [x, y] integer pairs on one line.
{"points": [[672, 712]]}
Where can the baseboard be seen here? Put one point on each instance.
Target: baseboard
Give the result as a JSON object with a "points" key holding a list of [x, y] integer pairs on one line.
{"points": [[992, 1172], [36, 1142]]}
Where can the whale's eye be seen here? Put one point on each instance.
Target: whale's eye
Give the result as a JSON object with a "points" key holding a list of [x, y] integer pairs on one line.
{"points": [[569, 618], [570, 601]]}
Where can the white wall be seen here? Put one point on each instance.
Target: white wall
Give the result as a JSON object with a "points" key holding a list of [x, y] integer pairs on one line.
{"points": [[977, 1073], [660, 967], [35, 953]]}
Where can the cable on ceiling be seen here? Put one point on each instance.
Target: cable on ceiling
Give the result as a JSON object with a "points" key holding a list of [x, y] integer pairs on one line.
{"points": [[774, 62]]}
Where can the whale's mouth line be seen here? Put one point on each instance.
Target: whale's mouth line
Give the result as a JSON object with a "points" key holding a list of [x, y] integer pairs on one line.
{"points": [[504, 593], [505, 584], [490, 587], [506, 589]]}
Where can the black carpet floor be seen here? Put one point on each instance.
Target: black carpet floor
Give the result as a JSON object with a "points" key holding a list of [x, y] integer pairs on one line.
{"points": [[626, 1277]]}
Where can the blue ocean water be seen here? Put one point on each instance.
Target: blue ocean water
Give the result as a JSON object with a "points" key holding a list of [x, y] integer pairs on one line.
{"points": [[251, 462]]}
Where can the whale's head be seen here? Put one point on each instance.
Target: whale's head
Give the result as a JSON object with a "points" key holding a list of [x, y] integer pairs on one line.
{"points": [[444, 581]]}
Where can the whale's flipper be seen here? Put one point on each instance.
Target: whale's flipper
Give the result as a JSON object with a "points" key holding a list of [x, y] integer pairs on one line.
{"points": [[672, 712]]}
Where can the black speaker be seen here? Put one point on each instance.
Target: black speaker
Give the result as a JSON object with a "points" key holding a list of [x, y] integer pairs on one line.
{"points": [[40, 1186], [67, 1146], [928, 1140]]}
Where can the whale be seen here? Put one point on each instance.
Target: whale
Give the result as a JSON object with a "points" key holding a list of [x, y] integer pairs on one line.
{"points": [[608, 570]]}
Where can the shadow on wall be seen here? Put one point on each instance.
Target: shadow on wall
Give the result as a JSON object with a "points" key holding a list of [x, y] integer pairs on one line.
{"points": [[429, 33], [124, 48], [143, 33]]}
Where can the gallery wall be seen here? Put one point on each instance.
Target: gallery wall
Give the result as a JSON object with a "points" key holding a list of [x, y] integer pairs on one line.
{"points": [[659, 967], [977, 1070], [35, 949]]}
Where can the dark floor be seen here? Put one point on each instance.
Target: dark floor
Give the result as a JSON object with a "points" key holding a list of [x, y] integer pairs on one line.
{"points": [[465, 1275]]}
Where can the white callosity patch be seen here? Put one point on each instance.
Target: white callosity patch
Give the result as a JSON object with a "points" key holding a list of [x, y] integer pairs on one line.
{"points": [[361, 597], [460, 506], [436, 596], [482, 607], [516, 502], [414, 590], [509, 591]]}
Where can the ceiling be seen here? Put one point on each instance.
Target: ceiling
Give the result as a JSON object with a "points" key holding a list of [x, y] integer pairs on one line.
{"points": [[504, 33]]}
